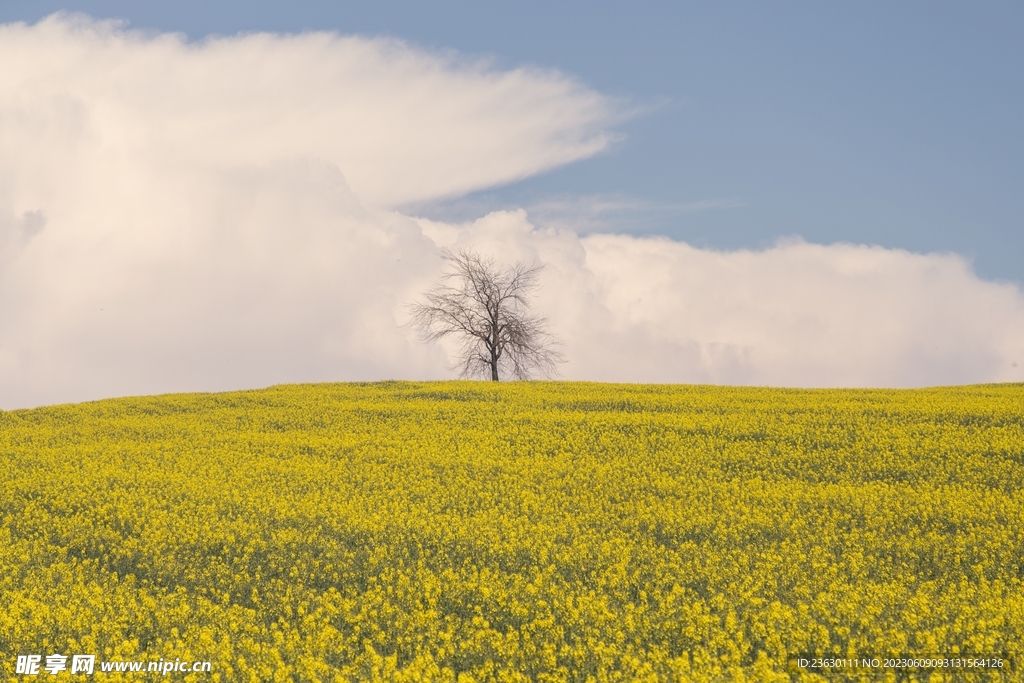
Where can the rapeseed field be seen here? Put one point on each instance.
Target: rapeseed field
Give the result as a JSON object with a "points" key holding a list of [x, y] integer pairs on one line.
{"points": [[464, 531]]}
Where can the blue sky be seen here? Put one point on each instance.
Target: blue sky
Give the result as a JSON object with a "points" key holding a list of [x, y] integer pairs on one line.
{"points": [[895, 124]]}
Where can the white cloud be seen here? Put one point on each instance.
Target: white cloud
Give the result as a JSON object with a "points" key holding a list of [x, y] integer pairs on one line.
{"points": [[654, 310], [209, 216], [404, 124], [605, 213]]}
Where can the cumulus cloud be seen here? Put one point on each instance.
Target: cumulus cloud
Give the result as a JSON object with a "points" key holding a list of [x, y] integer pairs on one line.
{"points": [[181, 216], [650, 309], [404, 124]]}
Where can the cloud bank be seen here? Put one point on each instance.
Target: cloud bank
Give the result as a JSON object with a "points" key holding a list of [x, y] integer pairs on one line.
{"points": [[183, 216], [403, 124], [797, 314]]}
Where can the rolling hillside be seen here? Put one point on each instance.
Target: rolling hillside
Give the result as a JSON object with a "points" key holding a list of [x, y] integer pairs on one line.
{"points": [[515, 532]]}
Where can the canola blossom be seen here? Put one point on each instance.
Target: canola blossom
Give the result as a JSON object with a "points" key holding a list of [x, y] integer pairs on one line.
{"points": [[552, 531]]}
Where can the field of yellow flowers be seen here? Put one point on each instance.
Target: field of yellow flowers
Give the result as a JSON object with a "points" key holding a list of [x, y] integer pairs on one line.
{"points": [[465, 531]]}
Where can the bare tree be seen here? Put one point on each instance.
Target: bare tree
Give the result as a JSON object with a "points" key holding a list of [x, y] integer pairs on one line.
{"points": [[487, 308]]}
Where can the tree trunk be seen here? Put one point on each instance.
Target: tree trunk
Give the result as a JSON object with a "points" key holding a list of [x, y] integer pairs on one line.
{"points": [[494, 349]]}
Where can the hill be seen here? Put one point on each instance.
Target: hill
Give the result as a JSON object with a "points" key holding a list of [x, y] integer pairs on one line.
{"points": [[514, 532]]}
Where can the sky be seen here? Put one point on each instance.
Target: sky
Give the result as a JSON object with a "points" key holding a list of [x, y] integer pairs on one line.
{"points": [[211, 196]]}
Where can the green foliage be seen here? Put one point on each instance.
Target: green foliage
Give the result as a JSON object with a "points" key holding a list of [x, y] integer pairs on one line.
{"points": [[514, 532]]}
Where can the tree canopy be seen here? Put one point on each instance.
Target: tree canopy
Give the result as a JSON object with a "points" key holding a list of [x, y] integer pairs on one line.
{"points": [[486, 307]]}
